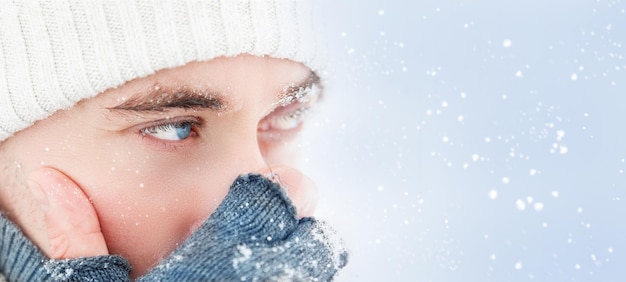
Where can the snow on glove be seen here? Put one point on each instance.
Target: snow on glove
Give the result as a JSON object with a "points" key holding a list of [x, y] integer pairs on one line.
{"points": [[255, 235], [16, 250]]}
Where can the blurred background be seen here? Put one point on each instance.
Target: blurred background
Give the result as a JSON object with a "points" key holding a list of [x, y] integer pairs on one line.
{"points": [[474, 140]]}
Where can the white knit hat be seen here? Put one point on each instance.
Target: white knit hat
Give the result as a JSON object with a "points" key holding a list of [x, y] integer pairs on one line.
{"points": [[56, 53]]}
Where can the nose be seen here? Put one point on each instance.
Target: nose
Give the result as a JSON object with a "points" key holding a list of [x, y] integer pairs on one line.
{"points": [[300, 189]]}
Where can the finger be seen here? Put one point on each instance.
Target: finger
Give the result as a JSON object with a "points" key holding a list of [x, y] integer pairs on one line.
{"points": [[301, 190], [71, 220]]}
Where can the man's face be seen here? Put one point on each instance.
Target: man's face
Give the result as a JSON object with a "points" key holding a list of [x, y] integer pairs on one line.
{"points": [[157, 155]]}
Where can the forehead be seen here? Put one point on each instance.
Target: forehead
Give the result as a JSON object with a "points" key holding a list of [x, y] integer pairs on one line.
{"points": [[226, 75]]}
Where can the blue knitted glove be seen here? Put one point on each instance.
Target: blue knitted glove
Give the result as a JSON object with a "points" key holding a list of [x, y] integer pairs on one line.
{"points": [[255, 235], [21, 260]]}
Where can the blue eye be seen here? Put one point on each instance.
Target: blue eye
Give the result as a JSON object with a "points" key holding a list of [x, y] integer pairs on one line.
{"points": [[176, 131], [183, 131]]}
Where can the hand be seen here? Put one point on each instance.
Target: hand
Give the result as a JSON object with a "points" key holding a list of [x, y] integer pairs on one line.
{"points": [[72, 223], [255, 235], [301, 190], [70, 218]]}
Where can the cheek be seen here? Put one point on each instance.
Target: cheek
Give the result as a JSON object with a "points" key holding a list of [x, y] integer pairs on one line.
{"points": [[285, 152], [148, 205]]}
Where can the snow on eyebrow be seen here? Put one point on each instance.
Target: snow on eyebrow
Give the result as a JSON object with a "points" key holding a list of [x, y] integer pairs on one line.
{"points": [[300, 91]]}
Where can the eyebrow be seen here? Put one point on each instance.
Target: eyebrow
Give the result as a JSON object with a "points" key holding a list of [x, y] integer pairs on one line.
{"points": [[160, 99], [309, 86]]}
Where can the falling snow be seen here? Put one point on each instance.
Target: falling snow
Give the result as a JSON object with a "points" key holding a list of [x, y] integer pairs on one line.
{"points": [[489, 129], [507, 43]]}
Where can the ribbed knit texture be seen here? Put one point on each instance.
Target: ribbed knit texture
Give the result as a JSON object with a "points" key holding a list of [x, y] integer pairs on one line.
{"points": [[54, 53], [254, 235], [20, 260]]}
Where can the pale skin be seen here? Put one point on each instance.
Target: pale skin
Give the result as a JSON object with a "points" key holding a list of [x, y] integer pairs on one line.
{"points": [[116, 174]]}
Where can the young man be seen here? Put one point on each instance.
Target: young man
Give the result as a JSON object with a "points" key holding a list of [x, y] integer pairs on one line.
{"points": [[125, 125]]}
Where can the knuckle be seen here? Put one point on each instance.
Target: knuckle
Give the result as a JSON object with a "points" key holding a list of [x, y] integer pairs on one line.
{"points": [[59, 246]]}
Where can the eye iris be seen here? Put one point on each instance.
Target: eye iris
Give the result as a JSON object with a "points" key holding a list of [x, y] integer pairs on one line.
{"points": [[183, 130]]}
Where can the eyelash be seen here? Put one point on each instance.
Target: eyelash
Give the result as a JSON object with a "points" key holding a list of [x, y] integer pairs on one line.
{"points": [[278, 125], [149, 133], [285, 121]]}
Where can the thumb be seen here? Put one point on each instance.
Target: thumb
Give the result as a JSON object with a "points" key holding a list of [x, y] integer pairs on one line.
{"points": [[301, 189], [71, 220]]}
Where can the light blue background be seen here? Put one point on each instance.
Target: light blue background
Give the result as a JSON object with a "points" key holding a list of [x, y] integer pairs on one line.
{"points": [[434, 107]]}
